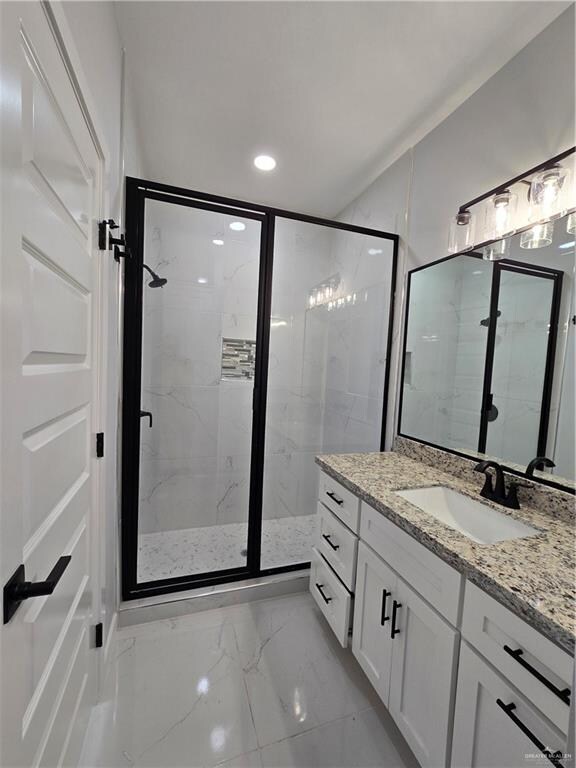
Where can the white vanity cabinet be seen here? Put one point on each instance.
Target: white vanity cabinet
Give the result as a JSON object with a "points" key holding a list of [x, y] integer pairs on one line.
{"points": [[333, 564], [408, 652], [494, 725]]}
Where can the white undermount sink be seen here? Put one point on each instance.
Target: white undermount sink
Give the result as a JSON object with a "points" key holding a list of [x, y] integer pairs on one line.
{"points": [[475, 520]]}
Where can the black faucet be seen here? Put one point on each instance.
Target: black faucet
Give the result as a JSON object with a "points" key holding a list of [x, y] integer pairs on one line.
{"points": [[497, 492], [539, 463]]}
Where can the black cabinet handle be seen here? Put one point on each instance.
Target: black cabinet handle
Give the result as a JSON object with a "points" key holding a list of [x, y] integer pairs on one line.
{"points": [[383, 617], [564, 695], [395, 606], [147, 415], [554, 757], [18, 589], [327, 537], [335, 498], [324, 597]]}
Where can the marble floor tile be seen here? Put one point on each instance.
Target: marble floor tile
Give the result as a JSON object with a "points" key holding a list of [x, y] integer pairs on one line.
{"points": [[255, 685], [167, 554]]}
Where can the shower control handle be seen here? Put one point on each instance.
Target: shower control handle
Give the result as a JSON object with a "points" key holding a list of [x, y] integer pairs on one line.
{"points": [[146, 415]]}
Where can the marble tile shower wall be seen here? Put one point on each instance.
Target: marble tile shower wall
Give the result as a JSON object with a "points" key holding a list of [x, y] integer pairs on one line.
{"points": [[326, 365], [195, 461]]}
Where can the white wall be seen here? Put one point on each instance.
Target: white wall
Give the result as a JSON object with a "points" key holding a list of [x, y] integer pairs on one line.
{"points": [[520, 117], [95, 33]]}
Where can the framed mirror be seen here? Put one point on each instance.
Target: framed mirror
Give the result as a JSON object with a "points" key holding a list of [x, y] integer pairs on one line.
{"points": [[488, 363]]}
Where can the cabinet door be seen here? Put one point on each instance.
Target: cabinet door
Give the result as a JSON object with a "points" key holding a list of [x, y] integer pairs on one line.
{"points": [[422, 684], [371, 641], [488, 719]]}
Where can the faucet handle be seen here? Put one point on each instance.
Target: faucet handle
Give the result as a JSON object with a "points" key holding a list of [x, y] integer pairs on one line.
{"points": [[512, 501]]}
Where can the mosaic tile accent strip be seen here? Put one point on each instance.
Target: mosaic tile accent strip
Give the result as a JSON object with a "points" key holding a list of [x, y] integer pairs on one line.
{"points": [[238, 358]]}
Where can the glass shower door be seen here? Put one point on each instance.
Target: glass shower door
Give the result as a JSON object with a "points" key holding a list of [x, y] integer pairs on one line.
{"points": [[199, 317]]}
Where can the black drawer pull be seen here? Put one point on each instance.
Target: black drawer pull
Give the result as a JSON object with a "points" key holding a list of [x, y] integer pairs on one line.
{"points": [[326, 599], [395, 607], [18, 589], [517, 656], [383, 617], [335, 498], [554, 757], [327, 537]]}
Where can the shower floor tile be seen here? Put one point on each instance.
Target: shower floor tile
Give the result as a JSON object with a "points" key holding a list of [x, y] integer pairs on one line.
{"points": [[168, 554]]}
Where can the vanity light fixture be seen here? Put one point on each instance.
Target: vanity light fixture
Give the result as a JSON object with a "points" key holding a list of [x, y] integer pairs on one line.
{"points": [[546, 191], [265, 163], [238, 226], [217, 241], [495, 251], [538, 236], [461, 236]]}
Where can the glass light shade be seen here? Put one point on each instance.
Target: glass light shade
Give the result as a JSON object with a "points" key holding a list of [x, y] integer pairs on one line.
{"points": [[461, 237], [571, 224], [546, 197], [495, 251], [538, 236], [500, 214]]}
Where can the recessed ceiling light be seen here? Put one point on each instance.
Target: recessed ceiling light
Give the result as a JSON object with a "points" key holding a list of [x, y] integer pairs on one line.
{"points": [[477, 272], [218, 242], [202, 280], [265, 163], [238, 226], [374, 251], [567, 245]]}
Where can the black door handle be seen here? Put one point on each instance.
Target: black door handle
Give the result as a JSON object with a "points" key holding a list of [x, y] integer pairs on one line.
{"points": [[335, 498], [554, 757], [18, 589], [395, 606], [327, 537], [517, 656], [383, 617], [147, 415], [326, 599]]}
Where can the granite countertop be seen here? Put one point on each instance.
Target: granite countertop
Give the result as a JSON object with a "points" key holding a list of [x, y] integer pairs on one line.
{"points": [[533, 577]]}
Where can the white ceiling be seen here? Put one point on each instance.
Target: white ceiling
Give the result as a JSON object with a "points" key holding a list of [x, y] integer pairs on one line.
{"points": [[334, 90]]}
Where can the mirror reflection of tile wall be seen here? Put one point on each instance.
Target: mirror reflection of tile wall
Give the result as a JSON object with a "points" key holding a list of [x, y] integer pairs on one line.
{"points": [[446, 351]]}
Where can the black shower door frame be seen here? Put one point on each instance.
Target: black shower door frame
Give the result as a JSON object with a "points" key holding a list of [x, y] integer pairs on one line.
{"points": [[137, 192]]}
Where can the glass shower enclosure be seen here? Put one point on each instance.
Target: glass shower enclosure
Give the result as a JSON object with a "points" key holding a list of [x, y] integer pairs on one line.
{"points": [[254, 339]]}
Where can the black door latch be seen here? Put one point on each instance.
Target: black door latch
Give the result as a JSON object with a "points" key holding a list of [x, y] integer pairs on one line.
{"points": [[18, 589]]}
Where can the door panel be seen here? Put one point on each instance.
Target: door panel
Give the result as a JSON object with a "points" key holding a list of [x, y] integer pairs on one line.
{"points": [[50, 281], [371, 641], [422, 685]]}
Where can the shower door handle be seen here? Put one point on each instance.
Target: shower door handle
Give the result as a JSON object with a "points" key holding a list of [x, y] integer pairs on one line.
{"points": [[146, 415]]}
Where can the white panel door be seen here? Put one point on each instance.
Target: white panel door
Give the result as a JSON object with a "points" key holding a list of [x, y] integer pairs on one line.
{"points": [[51, 197], [371, 637], [422, 681]]}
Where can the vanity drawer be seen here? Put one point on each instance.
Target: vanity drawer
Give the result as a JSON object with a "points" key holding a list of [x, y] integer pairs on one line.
{"points": [[497, 634], [338, 545], [332, 597], [436, 581], [340, 500]]}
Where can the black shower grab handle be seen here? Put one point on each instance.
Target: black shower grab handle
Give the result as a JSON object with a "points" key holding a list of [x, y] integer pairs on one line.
{"points": [[335, 499], [564, 694], [146, 415]]}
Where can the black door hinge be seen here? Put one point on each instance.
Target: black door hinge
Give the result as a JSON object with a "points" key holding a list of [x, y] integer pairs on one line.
{"points": [[98, 635], [99, 445], [105, 241]]}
